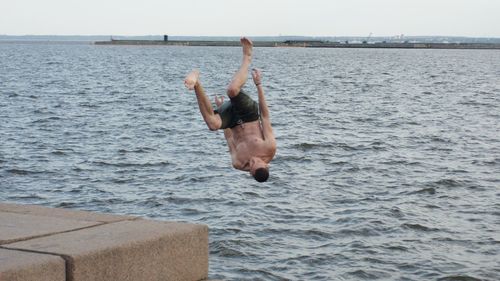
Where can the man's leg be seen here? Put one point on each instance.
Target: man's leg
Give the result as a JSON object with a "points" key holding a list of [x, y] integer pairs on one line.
{"points": [[212, 120], [241, 75]]}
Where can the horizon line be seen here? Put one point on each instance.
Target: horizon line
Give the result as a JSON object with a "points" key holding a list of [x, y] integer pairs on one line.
{"points": [[250, 36]]}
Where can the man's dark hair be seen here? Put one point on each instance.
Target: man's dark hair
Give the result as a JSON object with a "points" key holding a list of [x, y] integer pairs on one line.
{"points": [[261, 174]]}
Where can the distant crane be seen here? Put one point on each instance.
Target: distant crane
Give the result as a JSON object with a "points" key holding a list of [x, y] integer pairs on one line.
{"points": [[367, 38]]}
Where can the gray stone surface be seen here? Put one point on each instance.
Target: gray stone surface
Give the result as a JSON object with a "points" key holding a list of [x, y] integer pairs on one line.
{"points": [[61, 213], [22, 266], [18, 227], [130, 250]]}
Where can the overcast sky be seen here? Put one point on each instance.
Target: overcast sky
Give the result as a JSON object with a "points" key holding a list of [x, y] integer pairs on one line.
{"points": [[475, 18]]}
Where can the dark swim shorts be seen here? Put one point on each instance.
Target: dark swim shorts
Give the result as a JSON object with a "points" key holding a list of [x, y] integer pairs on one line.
{"points": [[238, 110]]}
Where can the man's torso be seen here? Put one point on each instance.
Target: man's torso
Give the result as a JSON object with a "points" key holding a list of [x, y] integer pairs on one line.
{"points": [[249, 142]]}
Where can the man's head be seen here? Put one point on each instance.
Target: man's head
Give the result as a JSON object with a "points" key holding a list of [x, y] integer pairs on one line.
{"points": [[259, 169], [261, 174]]}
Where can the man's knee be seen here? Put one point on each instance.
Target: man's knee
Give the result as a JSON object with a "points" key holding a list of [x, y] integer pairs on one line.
{"points": [[212, 127], [232, 91], [214, 123]]}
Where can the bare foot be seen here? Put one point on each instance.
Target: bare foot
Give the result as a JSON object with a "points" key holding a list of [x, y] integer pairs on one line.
{"points": [[192, 79], [247, 46]]}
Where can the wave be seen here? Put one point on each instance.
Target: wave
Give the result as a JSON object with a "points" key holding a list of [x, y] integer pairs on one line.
{"points": [[182, 200], [397, 248], [66, 204], [121, 181], [252, 194], [440, 139], [128, 164], [459, 278], [193, 178], [138, 150], [192, 211], [106, 201], [54, 63], [58, 152], [401, 162], [89, 105], [259, 274], [450, 183], [476, 103], [419, 227], [362, 231], [46, 120], [368, 274], [428, 190], [28, 196], [23, 172], [227, 248], [305, 146], [492, 162], [308, 146]]}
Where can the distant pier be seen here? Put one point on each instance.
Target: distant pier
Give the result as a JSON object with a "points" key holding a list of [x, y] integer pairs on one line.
{"points": [[306, 44]]}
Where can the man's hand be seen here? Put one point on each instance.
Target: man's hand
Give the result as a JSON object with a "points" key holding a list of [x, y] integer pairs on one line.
{"points": [[219, 100], [256, 75]]}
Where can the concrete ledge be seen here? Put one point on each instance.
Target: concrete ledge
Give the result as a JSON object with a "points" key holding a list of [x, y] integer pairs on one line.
{"points": [[120, 249], [62, 213], [22, 266], [17, 227]]}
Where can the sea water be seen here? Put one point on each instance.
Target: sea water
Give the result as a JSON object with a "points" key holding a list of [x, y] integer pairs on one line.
{"points": [[387, 166]]}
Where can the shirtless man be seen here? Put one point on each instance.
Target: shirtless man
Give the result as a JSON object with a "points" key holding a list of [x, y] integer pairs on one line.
{"points": [[249, 135]]}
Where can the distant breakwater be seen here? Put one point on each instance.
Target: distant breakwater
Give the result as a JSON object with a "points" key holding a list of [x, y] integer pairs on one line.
{"points": [[307, 44]]}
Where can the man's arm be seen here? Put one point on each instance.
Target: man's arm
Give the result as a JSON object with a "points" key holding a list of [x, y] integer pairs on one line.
{"points": [[192, 82], [267, 130]]}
